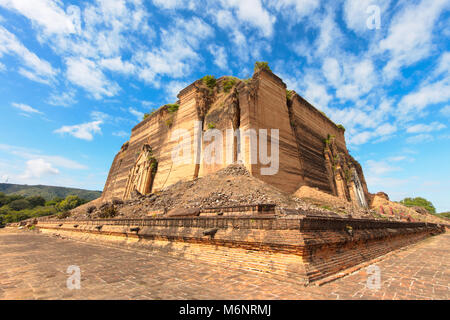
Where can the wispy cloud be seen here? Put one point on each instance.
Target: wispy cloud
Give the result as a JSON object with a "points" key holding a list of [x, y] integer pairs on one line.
{"points": [[139, 115], [34, 68], [26, 108]]}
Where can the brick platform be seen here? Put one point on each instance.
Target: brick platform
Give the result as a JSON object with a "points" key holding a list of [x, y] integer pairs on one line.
{"points": [[310, 248], [33, 266]]}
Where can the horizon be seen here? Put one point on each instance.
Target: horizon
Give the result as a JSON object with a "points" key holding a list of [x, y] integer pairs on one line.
{"points": [[76, 78]]}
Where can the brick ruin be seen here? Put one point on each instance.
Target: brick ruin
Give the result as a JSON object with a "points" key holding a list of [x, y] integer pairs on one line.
{"points": [[263, 238], [312, 149]]}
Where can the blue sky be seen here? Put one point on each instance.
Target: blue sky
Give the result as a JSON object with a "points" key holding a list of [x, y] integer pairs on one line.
{"points": [[76, 76]]}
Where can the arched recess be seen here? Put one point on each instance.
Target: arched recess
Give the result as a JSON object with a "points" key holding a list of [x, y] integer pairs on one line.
{"points": [[142, 174]]}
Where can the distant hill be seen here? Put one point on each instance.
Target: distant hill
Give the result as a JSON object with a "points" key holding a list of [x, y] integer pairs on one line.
{"points": [[445, 214], [47, 192]]}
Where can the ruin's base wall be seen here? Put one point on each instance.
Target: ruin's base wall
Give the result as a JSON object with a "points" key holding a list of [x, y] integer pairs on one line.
{"points": [[305, 248]]}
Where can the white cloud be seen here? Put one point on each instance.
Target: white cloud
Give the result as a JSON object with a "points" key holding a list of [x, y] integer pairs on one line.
{"points": [[173, 88], [446, 111], [121, 134], [317, 94], [62, 99], [252, 12], [379, 167], [26, 108], [2, 67], [175, 4], [47, 14], [382, 132], [116, 64], [37, 69], [86, 74], [294, 10], [397, 158], [420, 138], [352, 78], [177, 55], [84, 131], [410, 35], [427, 94], [220, 56], [37, 168], [419, 128], [443, 67], [330, 34], [139, 115], [28, 153]]}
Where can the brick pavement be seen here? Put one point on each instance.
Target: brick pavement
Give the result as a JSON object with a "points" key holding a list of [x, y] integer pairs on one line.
{"points": [[33, 266]]}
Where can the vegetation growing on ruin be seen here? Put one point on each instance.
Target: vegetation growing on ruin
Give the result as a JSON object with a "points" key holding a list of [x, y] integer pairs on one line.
{"points": [[209, 81], [173, 107], [211, 125], [327, 141], [419, 202], [107, 212], [289, 94], [259, 65], [169, 122], [153, 162], [340, 126], [14, 208], [228, 83]]}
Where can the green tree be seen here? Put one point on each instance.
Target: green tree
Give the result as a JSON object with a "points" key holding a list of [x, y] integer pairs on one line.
{"points": [[70, 203], [419, 202], [20, 204], [3, 199], [55, 201], [36, 201]]}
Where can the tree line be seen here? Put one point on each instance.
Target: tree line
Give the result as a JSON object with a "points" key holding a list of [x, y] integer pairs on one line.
{"points": [[14, 208]]}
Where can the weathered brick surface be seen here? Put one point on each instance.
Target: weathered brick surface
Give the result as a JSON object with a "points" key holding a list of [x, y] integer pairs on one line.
{"points": [[33, 266], [319, 246]]}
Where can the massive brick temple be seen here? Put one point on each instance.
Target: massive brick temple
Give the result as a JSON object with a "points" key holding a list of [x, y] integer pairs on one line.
{"points": [[312, 149]]}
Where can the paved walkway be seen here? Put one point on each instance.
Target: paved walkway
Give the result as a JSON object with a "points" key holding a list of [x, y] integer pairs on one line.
{"points": [[34, 266]]}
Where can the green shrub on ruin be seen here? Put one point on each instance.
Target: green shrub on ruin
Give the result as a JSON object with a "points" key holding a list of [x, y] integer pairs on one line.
{"points": [[259, 65], [228, 83], [108, 212], [172, 107], [63, 215], [209, 81], [211, 125], [169, 122], [340, 126], [289, 94]]}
